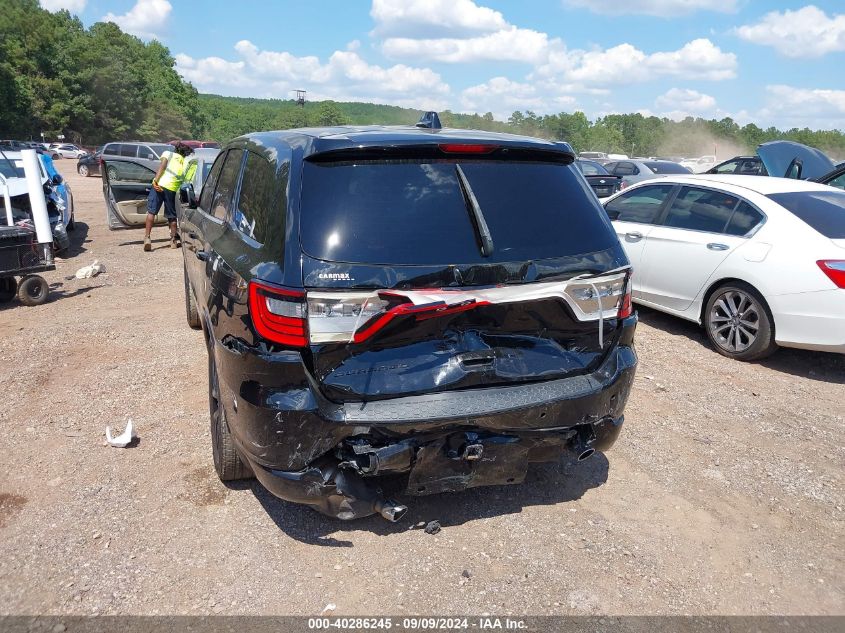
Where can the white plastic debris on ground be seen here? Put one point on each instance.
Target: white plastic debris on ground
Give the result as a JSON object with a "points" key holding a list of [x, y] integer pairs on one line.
{"points": [[90, 271], [123, 440]]}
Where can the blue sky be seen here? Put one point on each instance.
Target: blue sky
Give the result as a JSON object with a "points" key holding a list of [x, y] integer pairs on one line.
{"points": [[771, 63]]}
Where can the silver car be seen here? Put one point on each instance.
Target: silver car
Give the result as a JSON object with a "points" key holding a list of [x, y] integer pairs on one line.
{"points": [[631, 171], [147, 154]]}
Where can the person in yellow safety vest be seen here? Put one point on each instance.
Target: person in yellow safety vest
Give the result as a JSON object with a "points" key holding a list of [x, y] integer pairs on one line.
{"points": [[171, 174]]}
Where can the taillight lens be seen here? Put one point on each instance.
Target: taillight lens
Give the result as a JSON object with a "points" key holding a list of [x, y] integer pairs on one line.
{"points": [[605, 295], [622, 185], [278, 314], [626, 307], [835, 269], [336, 316]]}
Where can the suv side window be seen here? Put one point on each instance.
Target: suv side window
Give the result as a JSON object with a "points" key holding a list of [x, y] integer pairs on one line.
{"points": [[130, 151], [749, 166], [210, 183], [112, 149], [125, 171], [642, 205], [838, 182], [726, 168], [701, 210], [226, 185], [744, 219], [259, 198], [146, 152]]}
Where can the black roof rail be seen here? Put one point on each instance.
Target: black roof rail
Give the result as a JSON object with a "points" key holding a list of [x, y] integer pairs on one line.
{"points": [[430, 120]]}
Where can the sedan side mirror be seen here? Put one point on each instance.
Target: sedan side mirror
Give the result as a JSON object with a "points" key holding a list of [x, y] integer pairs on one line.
{"points": [[187, 196]]}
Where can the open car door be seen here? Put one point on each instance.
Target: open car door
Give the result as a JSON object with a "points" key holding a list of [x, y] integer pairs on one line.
{"points": [[126, 185]]}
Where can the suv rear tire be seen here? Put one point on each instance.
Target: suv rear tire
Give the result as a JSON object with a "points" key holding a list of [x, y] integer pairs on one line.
{"points": [[191, 312], [227, 463], [738, 322]]}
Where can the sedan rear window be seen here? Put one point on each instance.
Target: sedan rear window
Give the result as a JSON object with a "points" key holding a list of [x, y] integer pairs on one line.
{"points": [[666, 168], [411, 211], [822, 210]]}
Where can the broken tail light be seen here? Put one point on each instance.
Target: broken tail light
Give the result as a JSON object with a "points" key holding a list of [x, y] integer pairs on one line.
{"points": [[356, 317], [835, 269], [278, 314], [601, 297], [334, 317]]}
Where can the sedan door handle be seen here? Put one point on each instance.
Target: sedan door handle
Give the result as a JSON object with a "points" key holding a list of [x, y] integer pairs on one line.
{"points": [[716, 246], [202, 255], [634, 236]]}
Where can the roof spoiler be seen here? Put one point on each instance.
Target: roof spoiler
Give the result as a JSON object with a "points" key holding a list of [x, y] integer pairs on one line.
{"points": [[430, 120]]}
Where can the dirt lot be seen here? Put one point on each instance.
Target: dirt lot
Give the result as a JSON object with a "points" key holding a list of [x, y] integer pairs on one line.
{"points": [[724, 494]]}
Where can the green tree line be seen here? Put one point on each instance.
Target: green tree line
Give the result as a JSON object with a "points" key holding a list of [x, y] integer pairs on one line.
{"points": [[100, 84], [92, 85]]}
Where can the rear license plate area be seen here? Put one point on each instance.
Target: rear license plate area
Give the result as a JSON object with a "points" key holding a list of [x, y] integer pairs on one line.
{"points": [[462, 461]]}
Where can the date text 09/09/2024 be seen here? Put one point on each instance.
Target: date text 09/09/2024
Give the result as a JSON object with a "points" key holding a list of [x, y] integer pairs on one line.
{"points": [[416, 623]]}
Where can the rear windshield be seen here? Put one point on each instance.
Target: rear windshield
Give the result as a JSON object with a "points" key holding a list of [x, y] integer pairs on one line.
{"points": [[666, 168], [591, 168], [822, 210], [414, 212]]}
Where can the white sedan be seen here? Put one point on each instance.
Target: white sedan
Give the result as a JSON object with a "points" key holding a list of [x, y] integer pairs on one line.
{"points": [[69, 151], [760, 262]]}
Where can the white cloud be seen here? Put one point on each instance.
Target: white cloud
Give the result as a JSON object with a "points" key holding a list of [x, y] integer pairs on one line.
{"points": [[427, 18], [345, 76], [686, 100], [680, 103], [625, 64], [787, 107], [145, 19], [74, 6], [502, 97], [807, 32], [508, 44], [659, 8]]}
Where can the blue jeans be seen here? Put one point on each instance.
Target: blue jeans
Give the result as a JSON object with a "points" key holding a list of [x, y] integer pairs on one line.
{"points": [[155, 200]]}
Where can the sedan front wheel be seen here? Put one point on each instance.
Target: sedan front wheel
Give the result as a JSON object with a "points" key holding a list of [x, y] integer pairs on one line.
{"points": [[739, 324]]}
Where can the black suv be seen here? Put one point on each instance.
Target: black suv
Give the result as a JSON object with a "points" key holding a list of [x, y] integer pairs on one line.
{"points": [[423, 307]]}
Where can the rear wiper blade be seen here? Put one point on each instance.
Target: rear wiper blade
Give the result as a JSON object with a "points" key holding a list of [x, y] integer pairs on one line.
{"points": [[481, 229]]}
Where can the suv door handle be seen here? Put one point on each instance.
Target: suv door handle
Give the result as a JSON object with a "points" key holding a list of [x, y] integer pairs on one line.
{"points": [[634, 236], [716, 246], [202, 255]]}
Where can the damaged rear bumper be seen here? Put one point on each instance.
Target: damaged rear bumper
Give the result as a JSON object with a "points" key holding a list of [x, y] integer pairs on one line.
{"points": [[307, 450]]}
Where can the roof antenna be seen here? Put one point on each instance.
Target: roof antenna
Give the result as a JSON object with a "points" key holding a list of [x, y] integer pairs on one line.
{"points": [[430, 120]]}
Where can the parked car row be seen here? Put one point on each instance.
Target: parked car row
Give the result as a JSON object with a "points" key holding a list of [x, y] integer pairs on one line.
{"points": [[148, 154]]}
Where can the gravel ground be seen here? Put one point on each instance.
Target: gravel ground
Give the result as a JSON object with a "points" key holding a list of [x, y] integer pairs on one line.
{"points": [[722, 496]]}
